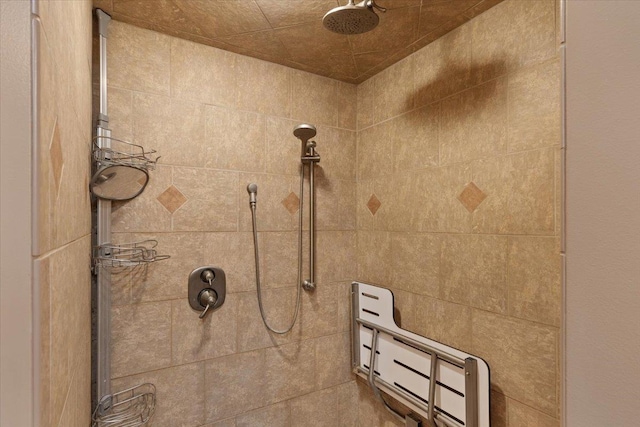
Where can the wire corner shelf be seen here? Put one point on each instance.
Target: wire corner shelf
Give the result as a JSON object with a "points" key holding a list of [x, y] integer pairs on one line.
{"points": [[110, 151], [143, 252], [132, 407]]}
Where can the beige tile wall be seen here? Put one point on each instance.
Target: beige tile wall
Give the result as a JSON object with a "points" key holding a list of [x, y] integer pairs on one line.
{"points": [[478, 270], [62, 246], [477, 110], [220, 121]]}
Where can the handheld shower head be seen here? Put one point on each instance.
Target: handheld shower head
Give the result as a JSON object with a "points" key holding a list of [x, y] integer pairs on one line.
{"points": [[304, 132], [252, 189]]}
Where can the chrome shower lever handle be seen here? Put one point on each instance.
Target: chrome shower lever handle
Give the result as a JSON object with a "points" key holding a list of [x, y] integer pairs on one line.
{"points": [[207, 298]]}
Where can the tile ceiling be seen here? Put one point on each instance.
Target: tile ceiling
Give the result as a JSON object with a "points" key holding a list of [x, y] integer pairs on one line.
{"points": [[290, 32]]}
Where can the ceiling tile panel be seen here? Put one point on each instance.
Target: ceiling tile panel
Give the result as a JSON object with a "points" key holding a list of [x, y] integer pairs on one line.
{"points": [[291, 32], [286, 13]]}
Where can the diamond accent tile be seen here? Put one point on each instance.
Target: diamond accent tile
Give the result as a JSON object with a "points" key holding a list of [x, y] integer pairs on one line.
{"points": [[471, 197], [57, 160], [373, 204], [291, 203], [172, 199]]}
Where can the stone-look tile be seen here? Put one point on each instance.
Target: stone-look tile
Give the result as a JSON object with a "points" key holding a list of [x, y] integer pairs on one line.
{"points": [[524, 416], [283, 149], [166, 279], [271, 214], [337, 148], [370, 411], [314, 99], [473, 271], [373, 204], [145, 212], [534, 107], [375, 154], [347, 395], [195, 339], [57, 159], [535, 290], [434, 14], [280, 256], [203, 74], [140, 338], [416, 262], [333, 360], [41, 275], [234, 384], [69, 194], [277, 415], [263, 87], [394, 90], [235, 140], [230, 422], [347, 105], [405, 310], [427, 200], [335, 204], [471, 197], [49, 100], [474, 123], [317, 409], [69, 323], [520, 193], [211, 200], [343, 290], [443, 67], [290, 370], [224, 19], [444, 322], [414, 138], [319, 311], [138, 59], [233, 252], [279, 306], [291, 203], [498, 409], [522, 356], [364, 217], [374, 257], [365, 102], [172, 127], [527, 36], [172, 199], [120, 113], [180, 394]]}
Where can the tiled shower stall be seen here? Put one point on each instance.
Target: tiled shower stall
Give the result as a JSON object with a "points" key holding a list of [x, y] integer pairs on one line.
{"points": [[439, 178]]}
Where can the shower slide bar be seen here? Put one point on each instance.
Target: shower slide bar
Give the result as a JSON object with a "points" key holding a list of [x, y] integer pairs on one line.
{"points": [[402, 364]]}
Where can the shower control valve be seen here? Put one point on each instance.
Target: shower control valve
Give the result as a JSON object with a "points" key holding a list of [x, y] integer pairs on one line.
{"points": [[207, 289]]}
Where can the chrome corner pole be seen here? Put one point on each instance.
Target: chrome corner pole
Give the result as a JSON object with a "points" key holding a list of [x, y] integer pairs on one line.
{"points": [[103, 231]]}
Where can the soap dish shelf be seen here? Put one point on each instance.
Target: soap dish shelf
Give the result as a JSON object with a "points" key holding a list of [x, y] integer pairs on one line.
{"points": [[126, 255], [132, 407]]}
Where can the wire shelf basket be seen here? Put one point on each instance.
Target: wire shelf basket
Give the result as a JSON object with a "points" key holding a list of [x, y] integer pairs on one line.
{"points": [[129, 408], [133, 254], [122, 153]]}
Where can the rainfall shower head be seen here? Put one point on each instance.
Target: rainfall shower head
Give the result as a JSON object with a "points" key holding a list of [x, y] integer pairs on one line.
{"points": [[304, 132], [353, 19]]}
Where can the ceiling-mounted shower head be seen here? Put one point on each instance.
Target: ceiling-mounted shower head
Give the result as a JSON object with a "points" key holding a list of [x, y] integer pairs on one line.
{"points": [[353, 19], [304, 132]]}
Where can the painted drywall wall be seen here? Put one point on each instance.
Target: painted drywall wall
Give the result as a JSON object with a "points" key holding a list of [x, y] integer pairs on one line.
{"points": [[603, 214], [16, 405]]}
